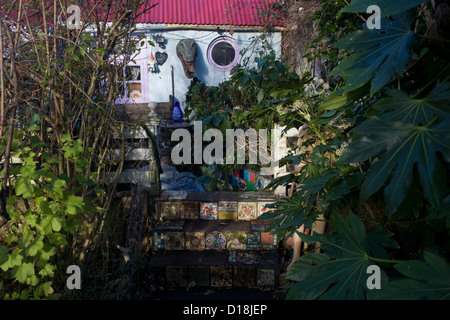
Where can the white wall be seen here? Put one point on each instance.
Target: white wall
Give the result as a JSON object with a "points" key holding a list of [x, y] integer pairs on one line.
{"points": [[160, 84]]}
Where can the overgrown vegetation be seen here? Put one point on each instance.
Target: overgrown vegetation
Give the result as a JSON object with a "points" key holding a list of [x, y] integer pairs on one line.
{"points": [[374, 162], [58, 120]]}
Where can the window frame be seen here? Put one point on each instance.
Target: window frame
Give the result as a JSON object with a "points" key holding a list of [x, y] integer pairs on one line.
{"points": [[141, 61], [230, 41]]}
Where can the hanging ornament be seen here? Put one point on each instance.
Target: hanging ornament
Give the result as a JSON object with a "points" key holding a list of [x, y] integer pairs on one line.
{"points": [[152, 64]]}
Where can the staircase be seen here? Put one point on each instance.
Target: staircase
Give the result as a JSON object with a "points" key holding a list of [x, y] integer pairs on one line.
{"points": [[214, 239]]}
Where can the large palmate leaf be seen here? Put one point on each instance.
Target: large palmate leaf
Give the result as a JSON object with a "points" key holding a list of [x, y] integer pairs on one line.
{"points": [[399, 106], [378, 53], [428, 279], [387, 7], [400, 146], [340, 273]]}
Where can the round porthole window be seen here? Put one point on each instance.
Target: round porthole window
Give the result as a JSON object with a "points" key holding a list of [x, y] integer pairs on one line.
{"points": [[223, 53]]}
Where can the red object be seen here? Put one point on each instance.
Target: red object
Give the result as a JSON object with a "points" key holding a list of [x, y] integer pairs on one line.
{"points": [[209, 12]]}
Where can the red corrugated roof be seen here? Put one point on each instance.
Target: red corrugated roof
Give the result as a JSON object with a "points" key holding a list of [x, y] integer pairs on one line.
{"points": [[208, 12]]}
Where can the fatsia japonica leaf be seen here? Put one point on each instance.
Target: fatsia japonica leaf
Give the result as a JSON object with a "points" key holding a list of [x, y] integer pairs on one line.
{"points": [[387, 7], [427, 279], [399, 147], [400, 106], [341, 272], [378, 53]]}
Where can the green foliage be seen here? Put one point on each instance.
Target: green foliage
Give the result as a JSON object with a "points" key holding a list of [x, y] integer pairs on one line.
{"points": [[340, 272], [378, 146], [44, 214]]}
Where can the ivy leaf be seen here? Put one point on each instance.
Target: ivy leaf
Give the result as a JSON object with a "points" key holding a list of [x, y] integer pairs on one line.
{"points": [[399, 147], [388, 7], [428, 279], [379, 53], [399, 106], [343, 275]]}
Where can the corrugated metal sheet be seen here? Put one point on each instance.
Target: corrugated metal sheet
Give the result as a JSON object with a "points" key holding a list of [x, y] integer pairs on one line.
{"points": [[207, 12]]}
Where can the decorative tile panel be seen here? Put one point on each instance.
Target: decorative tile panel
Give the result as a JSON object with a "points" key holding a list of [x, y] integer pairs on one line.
{"points": [[176, 275], [174, 241], [170, 210], [195, 240], [244, 276], [236, 240], [265, 278], [228, 209], [208, 211], [199, 275], [247, 210], [158, 241], [189, 210], [216, 240], [253, 240], [263, 209], [221, 276], [232, 256], [267, 238]]}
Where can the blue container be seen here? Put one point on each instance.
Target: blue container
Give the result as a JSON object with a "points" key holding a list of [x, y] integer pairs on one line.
{"points": [[177, 114]]}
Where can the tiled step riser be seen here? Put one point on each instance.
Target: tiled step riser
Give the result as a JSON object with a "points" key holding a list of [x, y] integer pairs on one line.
{"points": [[221, 210], [197, 241], [264, 276]]}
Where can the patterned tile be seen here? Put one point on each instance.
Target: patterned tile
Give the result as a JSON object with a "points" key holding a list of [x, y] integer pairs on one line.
{"points": [[199, 275], [254, 241], [195, 240], [250, 186], [221, 276], [216, 240], [208, 211], [174, 241], [252, 177], [242, 186], [158, 241], [176, 276], [263, 209], [227, 209], [265, 278], [259, 225], [170, 210], [267, 238], [261, 182], [244, 276], [189, 210], [232, 256], [247, 210], [236, 241]]}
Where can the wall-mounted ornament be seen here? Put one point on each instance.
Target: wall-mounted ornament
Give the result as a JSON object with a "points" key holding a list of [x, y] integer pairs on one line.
{"points": [[152, 63], [161, 57], [187, 53], [160, 40]]}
